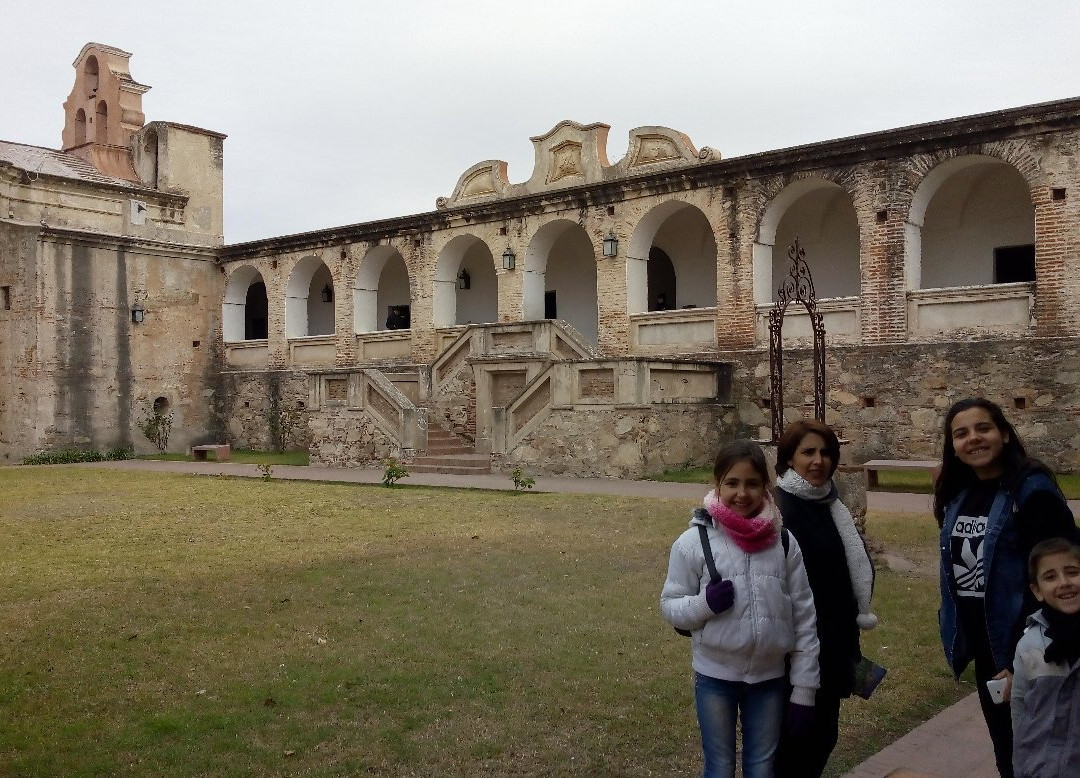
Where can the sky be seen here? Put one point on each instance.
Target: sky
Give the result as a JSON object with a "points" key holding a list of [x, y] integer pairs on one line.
{"points": [[345, 112]]}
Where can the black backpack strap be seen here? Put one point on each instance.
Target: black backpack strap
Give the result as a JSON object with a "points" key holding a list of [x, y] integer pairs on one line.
{"points": [[707, 548], [785, 540]]}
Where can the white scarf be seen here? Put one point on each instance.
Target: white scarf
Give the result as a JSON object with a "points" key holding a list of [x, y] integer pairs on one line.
{"points": [[860, 568]]}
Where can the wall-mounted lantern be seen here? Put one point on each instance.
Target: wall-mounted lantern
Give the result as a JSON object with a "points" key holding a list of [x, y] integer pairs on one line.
{"points": [[509, 259], [464, 281], [327, 294], [611, 244], [138, 315]]}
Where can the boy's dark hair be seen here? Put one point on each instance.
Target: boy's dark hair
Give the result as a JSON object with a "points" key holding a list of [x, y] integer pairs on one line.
{"points": [[740, 451], [792, 437], [1045, 548]]}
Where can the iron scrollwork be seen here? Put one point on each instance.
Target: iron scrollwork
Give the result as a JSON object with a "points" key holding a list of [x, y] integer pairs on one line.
{"points": [[798, 288]]}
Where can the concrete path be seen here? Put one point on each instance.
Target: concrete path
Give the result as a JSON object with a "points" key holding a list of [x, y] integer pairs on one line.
{"points": [[953, 743]]}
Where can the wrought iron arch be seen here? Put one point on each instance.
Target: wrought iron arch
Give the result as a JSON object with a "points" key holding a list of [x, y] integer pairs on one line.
{"points": [[797, 287]]}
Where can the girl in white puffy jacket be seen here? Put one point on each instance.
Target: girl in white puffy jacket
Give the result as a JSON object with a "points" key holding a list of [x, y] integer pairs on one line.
{"points": [[746, 625]]}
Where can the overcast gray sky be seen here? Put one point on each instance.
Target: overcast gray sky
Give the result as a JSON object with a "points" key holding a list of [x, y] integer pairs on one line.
{"points": [[344, 112]]}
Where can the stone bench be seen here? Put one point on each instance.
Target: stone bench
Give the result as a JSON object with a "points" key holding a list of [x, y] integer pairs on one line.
{"points": [[221, 452], [874, 465]]}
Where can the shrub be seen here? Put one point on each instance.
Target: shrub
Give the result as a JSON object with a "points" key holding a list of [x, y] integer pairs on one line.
{"points": [[394, 471], [67, 456], [522, 481], [156, 426]]}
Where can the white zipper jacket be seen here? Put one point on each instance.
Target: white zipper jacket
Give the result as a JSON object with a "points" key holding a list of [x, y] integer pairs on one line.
{"points": [[771, 619]]}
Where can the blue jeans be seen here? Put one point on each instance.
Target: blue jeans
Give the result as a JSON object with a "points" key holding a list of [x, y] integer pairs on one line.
{"points": [[762, 707]]}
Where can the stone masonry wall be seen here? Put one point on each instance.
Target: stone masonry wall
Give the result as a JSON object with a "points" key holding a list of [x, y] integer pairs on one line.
{"points": [[248, 399], [624, 442], [341, 437], [890, 402]]}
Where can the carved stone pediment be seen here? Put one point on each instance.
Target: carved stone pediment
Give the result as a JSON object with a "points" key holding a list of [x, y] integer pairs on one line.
{"points": [[483, 181], [568, 155], [573, 154]]}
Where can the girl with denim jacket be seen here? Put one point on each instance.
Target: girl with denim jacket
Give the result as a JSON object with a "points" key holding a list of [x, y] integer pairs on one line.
{"points": [[993, 504]]}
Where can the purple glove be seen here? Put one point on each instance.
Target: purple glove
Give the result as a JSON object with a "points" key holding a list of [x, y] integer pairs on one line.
{"points": [[720, 595], [798, 719]]}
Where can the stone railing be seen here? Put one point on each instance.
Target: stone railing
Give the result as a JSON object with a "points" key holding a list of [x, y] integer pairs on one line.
{"points": [[318, 350], [384, 345], [665, 332], [370, 392], [998, 309], [247, 354], [625, 383], [840, 315], [549, 337]]}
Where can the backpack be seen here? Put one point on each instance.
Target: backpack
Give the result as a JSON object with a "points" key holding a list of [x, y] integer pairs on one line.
{"points": [[714, 576]]}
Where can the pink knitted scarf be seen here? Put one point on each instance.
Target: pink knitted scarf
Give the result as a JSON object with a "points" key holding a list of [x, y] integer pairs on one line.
{"points": [[751, 534]]}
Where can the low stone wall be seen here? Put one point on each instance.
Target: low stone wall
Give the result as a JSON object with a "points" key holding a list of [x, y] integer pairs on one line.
{"points": [[890, 401], [248, 399], [614, 442], [342, 437]]}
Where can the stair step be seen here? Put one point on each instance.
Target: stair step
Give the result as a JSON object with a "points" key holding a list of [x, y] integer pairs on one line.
{"points": [[466, 460], [451, 469]]}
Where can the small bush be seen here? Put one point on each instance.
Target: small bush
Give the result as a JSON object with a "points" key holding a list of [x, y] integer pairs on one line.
{"points": [[394, 471], [65, 456], [157, 426], [522, 481], [266, 469]]}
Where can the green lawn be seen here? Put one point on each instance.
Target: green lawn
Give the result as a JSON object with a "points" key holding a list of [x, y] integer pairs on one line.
{"points": [[158, 624], [245, 456], [888, 480]]}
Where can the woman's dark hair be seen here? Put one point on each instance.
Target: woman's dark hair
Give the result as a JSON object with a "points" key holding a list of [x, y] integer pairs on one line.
{"points": [[1045, 548], [740, 451], [793, 436], [955, 476]]}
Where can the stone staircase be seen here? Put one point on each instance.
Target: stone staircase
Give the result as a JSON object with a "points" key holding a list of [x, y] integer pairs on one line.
{"points": [[450, 454]]}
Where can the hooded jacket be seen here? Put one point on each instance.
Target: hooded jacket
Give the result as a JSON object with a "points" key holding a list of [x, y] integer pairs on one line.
{"points": [[771, 619], [1045, 708]]}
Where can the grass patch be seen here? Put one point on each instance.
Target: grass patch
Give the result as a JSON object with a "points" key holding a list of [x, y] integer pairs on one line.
{"points": [[683, 475], [299, 457], [158, 624], [919, 482]]}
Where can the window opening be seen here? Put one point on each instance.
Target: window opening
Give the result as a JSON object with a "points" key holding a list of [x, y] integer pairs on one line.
{"points": [[551, 308], [5, 297], [1013, 264]]}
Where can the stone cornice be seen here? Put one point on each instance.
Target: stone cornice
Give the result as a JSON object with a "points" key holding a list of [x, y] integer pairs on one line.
{"points": [[112, 242], [963, 131]]}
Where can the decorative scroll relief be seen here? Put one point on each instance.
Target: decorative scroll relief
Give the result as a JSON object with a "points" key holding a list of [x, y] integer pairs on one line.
{"points": [[565, 161], [654, 148], [480, 183]]}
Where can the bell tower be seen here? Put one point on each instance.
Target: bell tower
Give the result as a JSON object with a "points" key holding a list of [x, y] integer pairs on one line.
{"points": [[103, 110]]}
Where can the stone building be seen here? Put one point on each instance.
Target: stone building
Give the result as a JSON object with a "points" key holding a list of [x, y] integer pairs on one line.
{"points": [[599, 318]]}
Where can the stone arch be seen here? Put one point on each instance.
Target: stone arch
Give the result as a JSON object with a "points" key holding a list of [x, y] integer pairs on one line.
{"points": [[963, 211], [559, 270], [90, 71], [382, 280], [243, 312], [101, 123], [822, 215], [306, 313], [683, 232], [479, 302], [80, 127]]}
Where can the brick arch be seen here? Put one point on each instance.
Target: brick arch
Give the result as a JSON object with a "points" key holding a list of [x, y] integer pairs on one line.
{"points": [[368, 313], [472, 255], [234, 303], [939, 170], [298, 296], [571, 276], [699, 272], [783, 198]]}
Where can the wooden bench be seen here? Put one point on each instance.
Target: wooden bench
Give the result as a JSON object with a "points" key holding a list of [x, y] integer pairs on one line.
{"points": [[874, 465], [221, 452]]}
